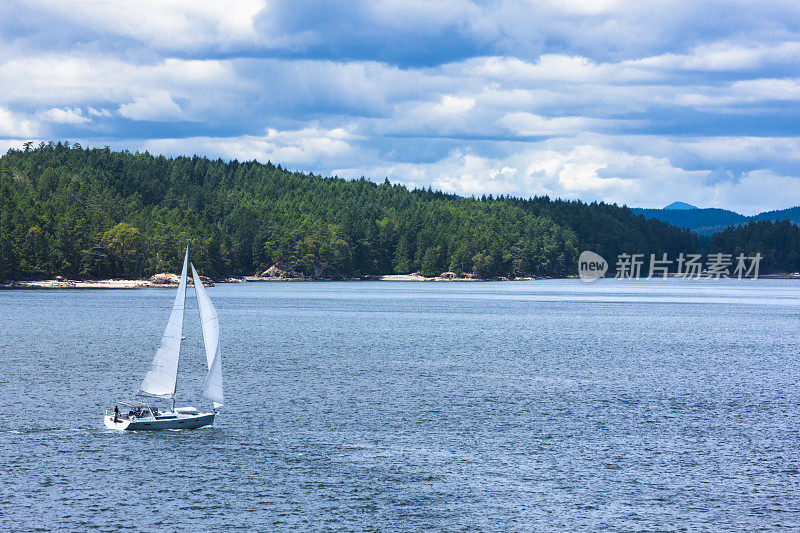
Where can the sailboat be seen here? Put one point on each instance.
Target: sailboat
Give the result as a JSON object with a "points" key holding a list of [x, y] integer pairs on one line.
{"points": [[160, 382]]}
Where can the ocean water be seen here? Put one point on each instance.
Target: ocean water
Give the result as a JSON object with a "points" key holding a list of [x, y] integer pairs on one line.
{"points": [[517, 406]]}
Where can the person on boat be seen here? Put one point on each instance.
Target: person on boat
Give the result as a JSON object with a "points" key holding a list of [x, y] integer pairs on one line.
{"points": [[116, 414]]}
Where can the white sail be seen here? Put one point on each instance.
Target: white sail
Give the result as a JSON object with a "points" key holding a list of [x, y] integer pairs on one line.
{"points": [[212, 388], [160, 380]]}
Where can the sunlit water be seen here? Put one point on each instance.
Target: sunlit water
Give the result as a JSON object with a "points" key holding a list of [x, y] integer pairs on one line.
{"points": [[547, 405]]}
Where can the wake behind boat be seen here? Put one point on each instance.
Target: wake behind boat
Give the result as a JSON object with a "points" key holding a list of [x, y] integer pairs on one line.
{"points": [[161, 380]]}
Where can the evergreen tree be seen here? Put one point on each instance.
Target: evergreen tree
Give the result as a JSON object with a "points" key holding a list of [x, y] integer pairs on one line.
{"points": [[98, 213]]}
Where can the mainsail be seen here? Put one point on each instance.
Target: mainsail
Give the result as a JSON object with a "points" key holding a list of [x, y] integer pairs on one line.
{"points": [[212, 388], [163, 374]]}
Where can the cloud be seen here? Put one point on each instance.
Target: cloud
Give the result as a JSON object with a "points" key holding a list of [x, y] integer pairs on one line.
{"points": [[551, 68], [607, 100], [99, 112], [411, 34], [303, 148], [16, 144], [756, 191], [81, 79], [590, 173], [14, 125], [531, 125], [168, 25], [157, 107], [575, 172], [724, 56], [64, 115]]}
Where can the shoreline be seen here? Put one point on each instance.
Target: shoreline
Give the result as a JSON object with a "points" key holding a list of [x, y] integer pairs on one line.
{"points": [[148, 284], [85, 284]]}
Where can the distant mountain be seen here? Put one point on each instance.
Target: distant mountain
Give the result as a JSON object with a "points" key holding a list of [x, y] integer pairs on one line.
{"points": [[712, 220], [680, 206], [792, 214]]}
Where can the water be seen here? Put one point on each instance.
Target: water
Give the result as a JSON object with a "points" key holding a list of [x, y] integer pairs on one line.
{"points": [[549, 405]]}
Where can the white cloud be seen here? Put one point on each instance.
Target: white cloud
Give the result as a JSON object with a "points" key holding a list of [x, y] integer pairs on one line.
{"points": [[446, 93], [455, 105], [99, 112], [590, 172], [603, 29], [64, 115], [475, 97], [723, 56], [157, 107], [421, 15], [585, 7], [176, 25], [16, 125], [531, 125], [744, 92], [80, 79], [767, 89], [577, 172], [717, 151], [757, 191], [16, 144], [550, 68], [305, 148]]}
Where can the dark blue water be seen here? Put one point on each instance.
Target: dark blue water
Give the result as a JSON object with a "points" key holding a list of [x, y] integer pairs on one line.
{"points": [[550, 406]]}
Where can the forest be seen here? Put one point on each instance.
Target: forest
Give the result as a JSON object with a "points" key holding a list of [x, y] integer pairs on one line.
{"points": [[778, 243], [97, 213]]}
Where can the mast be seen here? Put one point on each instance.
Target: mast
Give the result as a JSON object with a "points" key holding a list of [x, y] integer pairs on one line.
{"points": [[161, 380]]}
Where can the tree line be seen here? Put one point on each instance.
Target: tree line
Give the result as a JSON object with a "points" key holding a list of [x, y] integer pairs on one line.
{"points": [[97, 213], [777, 242]]}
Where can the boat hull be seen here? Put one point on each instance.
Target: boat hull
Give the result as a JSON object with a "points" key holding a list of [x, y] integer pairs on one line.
{"points": [[149, 424]]}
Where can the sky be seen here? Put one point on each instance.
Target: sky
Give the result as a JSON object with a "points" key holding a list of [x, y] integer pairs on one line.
{"points": [[631, 102]]}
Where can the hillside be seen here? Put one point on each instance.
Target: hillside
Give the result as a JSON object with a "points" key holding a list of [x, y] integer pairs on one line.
{"points": [[98, 213], [792, 215], [701, 221], [708, 221], [777, 242]]}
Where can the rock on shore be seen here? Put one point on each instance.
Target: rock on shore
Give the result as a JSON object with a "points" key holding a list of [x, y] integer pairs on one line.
{"points": [[166, 279]]}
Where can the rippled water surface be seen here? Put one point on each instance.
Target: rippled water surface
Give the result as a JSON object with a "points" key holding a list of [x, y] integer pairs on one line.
{"points": [[517, 406]]}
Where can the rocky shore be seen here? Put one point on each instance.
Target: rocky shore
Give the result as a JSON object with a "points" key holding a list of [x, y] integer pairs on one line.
{"points": [[162, 281], [166, 281], [171, 281]]}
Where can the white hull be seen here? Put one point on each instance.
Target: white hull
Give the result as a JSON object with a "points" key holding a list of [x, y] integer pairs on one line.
{"points": [[179, 421]]}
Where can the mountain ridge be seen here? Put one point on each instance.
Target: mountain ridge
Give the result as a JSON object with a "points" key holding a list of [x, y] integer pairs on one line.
{"points": [[680, 206], [710, 220]]}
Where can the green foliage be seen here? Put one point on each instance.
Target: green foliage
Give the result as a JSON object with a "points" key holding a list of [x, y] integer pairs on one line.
{"points": [[122, 245], [97, 213], [777, 242], [431, 264], [482, 265]]}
